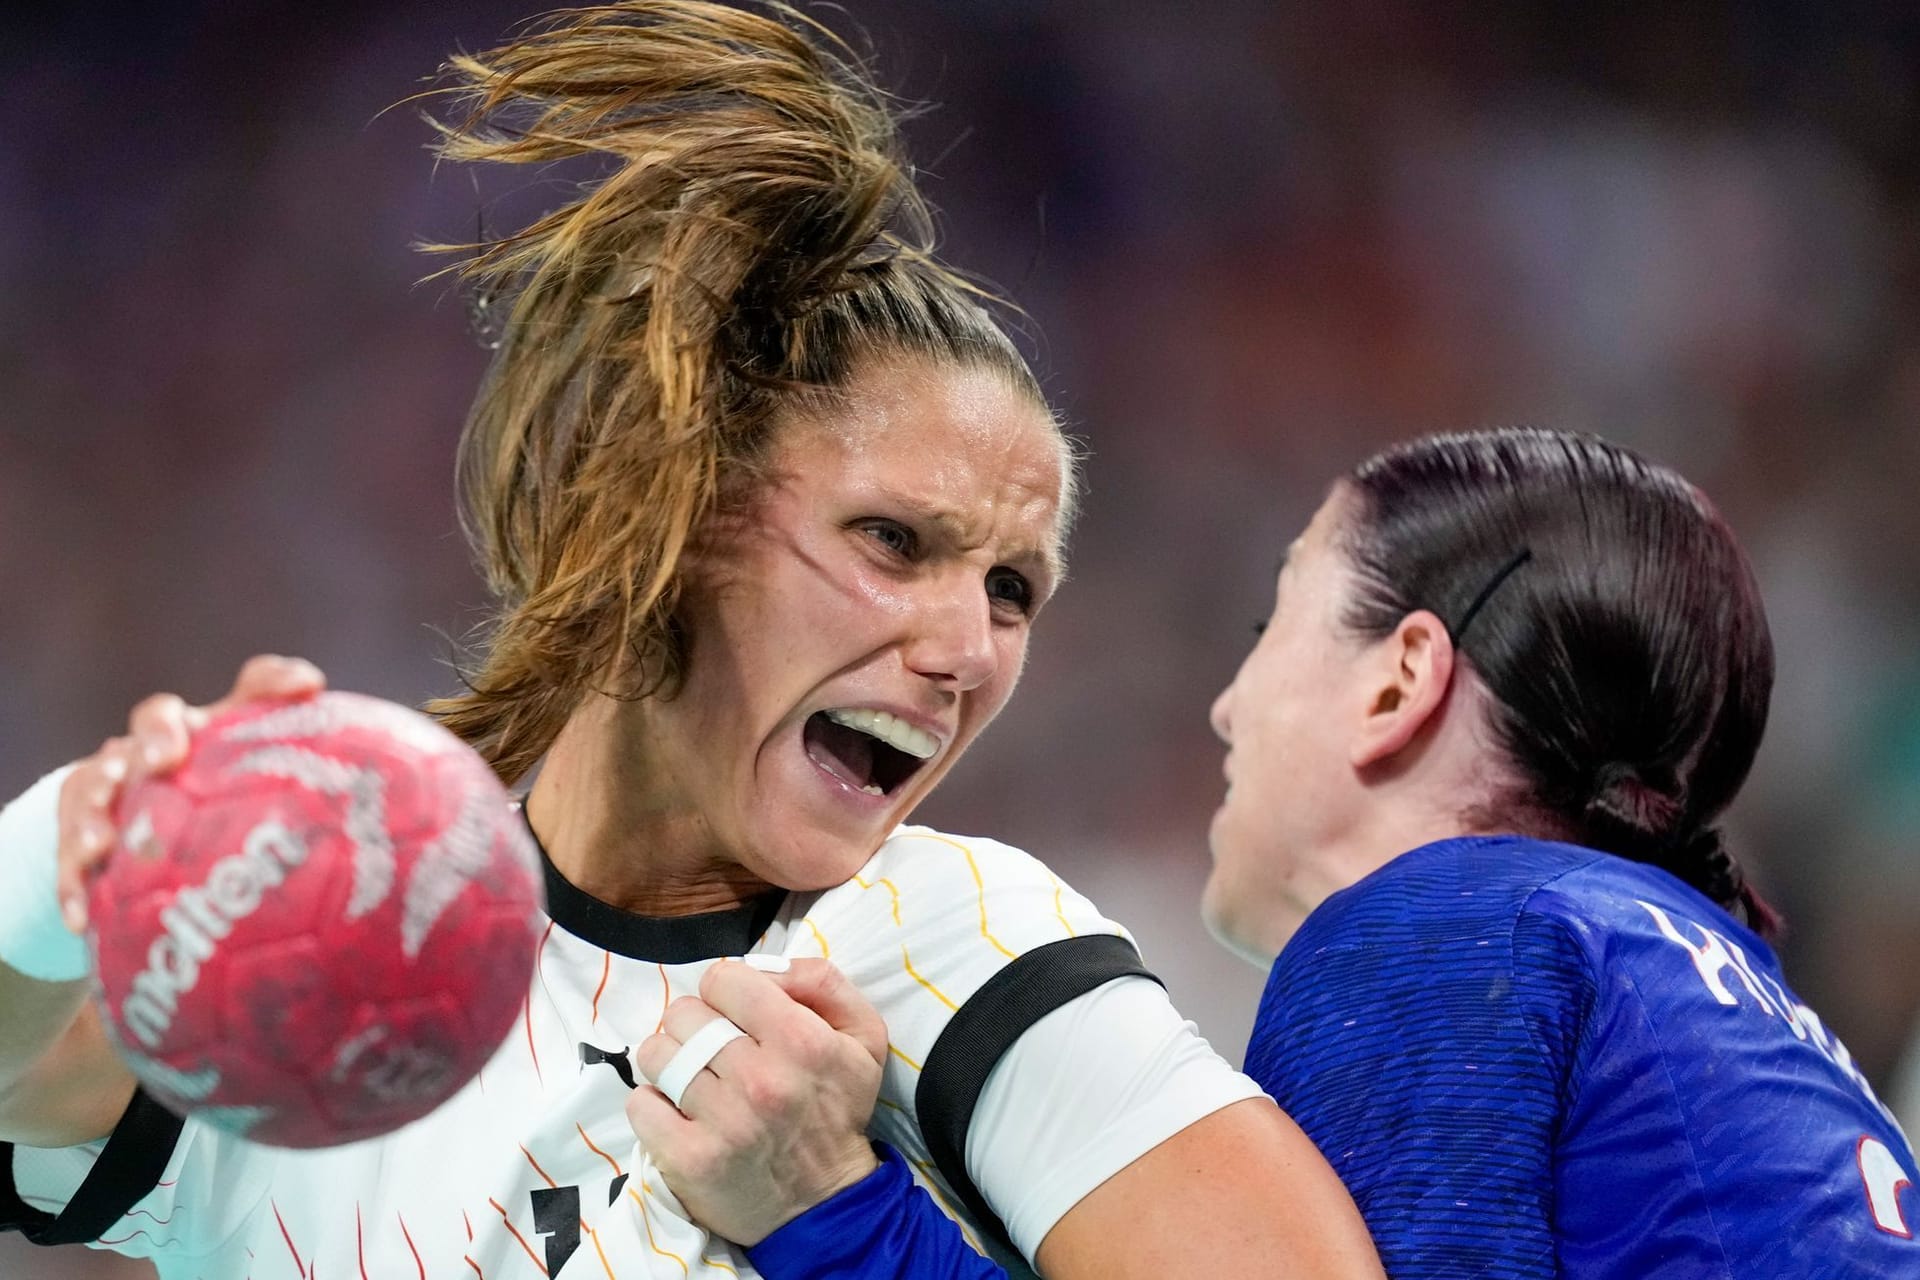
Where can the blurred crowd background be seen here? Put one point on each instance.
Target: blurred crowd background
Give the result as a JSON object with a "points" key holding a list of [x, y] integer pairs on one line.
{"points": [[1256, 241]]}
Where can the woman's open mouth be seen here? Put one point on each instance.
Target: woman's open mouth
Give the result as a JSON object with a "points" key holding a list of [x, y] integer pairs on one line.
{"points": [[870, 751]]}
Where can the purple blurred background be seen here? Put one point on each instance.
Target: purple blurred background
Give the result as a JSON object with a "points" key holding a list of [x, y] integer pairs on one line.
{"points": [[1257, 242]]}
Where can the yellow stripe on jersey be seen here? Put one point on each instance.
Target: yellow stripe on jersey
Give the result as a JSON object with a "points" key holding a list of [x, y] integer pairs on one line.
{"points": [[818, 937], [1057, 889], [980, 888], [895, 1051], [595, 1237], [946, 1208], [646, 1220], [891, 888], [938, 994], [721, 1263]]}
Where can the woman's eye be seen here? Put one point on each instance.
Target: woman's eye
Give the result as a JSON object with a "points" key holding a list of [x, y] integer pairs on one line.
{"points": [[894, 536], [1005, 586]]}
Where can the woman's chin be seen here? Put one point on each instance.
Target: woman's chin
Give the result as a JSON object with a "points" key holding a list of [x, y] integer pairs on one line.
{"points": [[805, 850]]}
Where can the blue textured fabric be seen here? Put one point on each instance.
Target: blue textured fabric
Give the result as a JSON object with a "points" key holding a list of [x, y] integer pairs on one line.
{"points": [[883, 1227], [1534, 1060]]}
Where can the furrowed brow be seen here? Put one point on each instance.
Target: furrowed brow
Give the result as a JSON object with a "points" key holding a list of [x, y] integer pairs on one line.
{"points": [[1048, 559]]}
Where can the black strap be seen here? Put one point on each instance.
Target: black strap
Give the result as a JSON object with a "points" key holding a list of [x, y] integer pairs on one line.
{"points": [[655, 939], [16, 1214], [986, 1026], [129, 1167]]}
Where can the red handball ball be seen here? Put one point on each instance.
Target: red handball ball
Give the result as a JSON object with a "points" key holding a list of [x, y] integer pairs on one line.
{"points": [[320, 926]]}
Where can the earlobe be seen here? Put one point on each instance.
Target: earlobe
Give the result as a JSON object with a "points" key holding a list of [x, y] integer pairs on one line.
{"points": [[1410, 684]]}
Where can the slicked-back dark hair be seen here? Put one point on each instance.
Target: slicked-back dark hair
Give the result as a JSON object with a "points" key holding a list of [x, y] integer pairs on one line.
{"points": [[1612, 617]]}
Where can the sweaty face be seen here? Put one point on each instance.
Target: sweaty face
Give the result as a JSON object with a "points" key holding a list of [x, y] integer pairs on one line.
{"points": [[1288, 779], [862, 619]]}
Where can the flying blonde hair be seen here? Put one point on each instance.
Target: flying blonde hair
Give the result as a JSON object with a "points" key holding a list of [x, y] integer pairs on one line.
{"points": [[756, 233]]}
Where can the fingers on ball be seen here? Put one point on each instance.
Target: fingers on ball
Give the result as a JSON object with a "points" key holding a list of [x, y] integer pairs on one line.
{"points": [[272, 675], [159, 730]]}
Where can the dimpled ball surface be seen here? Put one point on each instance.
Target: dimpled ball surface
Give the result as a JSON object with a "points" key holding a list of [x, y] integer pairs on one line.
{"points": [[321, 926]]}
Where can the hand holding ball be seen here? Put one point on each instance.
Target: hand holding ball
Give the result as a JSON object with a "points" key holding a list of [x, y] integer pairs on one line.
{"points": [[320, 926]]}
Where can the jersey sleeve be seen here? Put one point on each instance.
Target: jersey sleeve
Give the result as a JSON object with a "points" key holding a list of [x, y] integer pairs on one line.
{"points": [[156, 1186], [884, 1227], [1431, 1071], [1025, 1036], [1083, 1093]]}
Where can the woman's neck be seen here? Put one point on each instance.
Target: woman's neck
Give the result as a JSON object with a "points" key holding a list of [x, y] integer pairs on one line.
{"points": [[614, 832]]}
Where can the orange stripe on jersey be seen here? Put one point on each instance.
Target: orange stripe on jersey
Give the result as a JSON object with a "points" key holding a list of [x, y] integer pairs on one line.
{"points": [[359, 1240], [979, 887], [536, 1165], [891, 888], [939, 995], [298, 1265], [666, 996], [408, 1237], [617, 1171], [526, 1010], [517, 1236], [646, 1220], [818, 937], [1057, 887], [476, 1266], [903, 1057], [526, 1014], [606, 971], [469, 1221]]}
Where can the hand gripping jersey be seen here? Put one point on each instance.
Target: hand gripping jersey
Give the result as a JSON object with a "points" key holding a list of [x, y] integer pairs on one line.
{"points": [[533, 1171], [1532, 1059]]}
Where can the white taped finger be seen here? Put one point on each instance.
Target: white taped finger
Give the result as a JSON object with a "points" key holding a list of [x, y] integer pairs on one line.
{"points": [[692, 1057]]}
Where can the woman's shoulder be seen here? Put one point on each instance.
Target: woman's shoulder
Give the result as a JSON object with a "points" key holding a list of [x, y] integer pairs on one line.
{"points": [[965, 893], [1471, 886]]}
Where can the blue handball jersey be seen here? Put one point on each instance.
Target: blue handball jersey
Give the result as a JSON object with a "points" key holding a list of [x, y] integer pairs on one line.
{"points": [[1532, 1059]]}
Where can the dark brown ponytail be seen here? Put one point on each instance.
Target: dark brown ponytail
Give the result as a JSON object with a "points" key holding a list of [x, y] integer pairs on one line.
{"points": [[1623, 643]]}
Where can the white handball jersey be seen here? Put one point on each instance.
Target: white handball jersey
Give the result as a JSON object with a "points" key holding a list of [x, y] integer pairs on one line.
{"points": [[976, 955]]}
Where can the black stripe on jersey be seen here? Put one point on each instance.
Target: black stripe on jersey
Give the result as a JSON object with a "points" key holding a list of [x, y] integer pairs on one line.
{"points": [[986, 1026], [128, 1168], [656, 939]]}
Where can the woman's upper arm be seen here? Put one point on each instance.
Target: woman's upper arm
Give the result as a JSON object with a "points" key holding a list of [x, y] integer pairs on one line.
{"points": [[74, 1092], [1111, 1132], [1239, 1192]]}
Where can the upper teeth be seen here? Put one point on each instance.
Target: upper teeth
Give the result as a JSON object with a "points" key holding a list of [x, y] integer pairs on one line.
{"points": [[892, 730]]}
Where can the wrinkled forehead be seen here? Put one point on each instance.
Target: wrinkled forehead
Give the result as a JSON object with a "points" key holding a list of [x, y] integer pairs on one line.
{"points": [[965, 447]]}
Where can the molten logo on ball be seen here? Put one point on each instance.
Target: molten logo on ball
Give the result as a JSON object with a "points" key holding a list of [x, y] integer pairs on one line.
{"points": [[321, 926], [198, 919]]}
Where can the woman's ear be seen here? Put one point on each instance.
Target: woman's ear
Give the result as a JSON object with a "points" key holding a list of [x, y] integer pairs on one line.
{"points": [[1407, 680]]}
